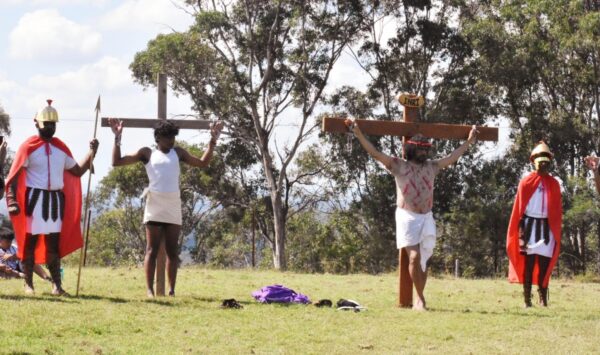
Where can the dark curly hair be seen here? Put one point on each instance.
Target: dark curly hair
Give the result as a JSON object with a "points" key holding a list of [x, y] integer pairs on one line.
{"points": [[165, 128], [7, 233], [410, 150]]}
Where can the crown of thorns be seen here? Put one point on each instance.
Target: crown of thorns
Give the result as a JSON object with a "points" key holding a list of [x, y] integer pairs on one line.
{"points": [[419, 144]]}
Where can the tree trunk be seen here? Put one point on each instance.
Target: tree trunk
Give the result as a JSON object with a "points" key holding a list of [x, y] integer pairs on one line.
{"points": [[598, 251], [582, 249], [496, 248], [279, 259]]}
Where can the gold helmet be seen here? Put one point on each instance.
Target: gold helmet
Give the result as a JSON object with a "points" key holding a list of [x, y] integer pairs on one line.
{"points": [[46, 114], [542, 152]]}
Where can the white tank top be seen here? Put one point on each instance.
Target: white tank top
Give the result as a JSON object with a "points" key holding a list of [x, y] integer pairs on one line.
{"points": [[163, 171]]}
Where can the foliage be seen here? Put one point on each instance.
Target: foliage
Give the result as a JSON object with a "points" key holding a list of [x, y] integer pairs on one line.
{"points": [[4, 121], [543, 58], [440, 68], [580, 236], [118, 221], [248, 63], [263, 68]]}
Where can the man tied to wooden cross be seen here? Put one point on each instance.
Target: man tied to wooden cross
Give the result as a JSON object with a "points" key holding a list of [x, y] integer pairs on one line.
{"points": [[162, 213], [43, 194], [415, 226]]}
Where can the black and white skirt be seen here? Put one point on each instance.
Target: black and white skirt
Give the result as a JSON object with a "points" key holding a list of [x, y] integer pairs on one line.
{"points": [[44, 210]]}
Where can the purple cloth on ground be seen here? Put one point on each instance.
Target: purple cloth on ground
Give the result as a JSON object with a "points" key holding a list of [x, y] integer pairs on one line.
{"points": [[279, 294]]}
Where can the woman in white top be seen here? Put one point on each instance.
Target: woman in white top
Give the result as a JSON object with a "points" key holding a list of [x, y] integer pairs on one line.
{"points": [[162, 214]]}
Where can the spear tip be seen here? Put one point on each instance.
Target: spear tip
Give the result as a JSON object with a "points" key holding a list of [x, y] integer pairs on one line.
{"points": [[98, 104]]}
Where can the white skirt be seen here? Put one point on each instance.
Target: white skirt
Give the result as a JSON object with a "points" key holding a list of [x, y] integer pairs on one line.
{"points": [[539, 247], [415, 228], [162, 207], [36, 223]]}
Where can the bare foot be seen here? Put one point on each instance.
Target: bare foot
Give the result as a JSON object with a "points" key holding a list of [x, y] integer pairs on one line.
{"points": [[29, 290], [150, 293], [58, 291], [172, 293], [419, 305]]}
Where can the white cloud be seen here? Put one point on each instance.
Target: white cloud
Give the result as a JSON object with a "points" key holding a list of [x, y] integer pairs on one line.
{"points": [[152, 15], [75, 93], [108, 73], [6, 85], [54, 2], [45, 34], [346, 72]]}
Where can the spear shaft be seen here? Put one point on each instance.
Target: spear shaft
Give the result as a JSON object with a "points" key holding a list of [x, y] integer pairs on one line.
{"points": [[88, 214]]}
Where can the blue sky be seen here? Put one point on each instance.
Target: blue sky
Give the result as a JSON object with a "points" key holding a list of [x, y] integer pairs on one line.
{"points": [[74, 50]]}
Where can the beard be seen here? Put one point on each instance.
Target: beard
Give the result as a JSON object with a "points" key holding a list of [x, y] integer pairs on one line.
{"points": [[420, 159], [543, 168], [46, 132]]}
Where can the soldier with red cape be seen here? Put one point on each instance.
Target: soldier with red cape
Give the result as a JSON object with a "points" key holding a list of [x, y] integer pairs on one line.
{"points": [[43, 194], [534, 231]]}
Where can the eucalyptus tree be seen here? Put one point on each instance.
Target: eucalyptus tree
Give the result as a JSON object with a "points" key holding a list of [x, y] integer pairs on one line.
{"points": [[261, 66], [407, 46], [543, 58]]}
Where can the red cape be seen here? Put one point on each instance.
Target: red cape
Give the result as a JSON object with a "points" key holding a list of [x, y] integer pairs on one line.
{"points": [[70, 234], [526, 189]]}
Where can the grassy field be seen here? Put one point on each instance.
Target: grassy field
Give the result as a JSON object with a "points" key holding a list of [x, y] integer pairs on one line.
{"points": [[113, 316]]}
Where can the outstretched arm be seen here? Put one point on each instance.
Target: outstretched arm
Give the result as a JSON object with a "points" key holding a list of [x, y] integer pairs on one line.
{"points": [[203, 162], [593, 163], [142, 154], [384, 159], [80, 168], [458, 152]]}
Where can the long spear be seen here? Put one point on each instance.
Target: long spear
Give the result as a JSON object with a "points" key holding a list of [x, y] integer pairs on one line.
{"points": [[87, 211]]}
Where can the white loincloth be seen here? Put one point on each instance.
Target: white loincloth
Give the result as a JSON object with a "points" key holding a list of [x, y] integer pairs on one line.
{"points": [[162, 207], [36, 224], [415, 228]]}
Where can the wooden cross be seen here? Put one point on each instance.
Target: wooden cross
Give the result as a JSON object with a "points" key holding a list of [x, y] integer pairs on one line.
{"points": [[150, 123], [407, 129]]}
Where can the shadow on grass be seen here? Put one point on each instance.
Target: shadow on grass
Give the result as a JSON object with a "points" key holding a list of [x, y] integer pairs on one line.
{"points": [[523, 313], [103, 298], [159, 302], [43, 297], [206, 299]]}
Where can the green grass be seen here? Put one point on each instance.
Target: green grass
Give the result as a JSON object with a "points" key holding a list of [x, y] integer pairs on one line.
{"points": [[113, 316]]}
